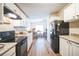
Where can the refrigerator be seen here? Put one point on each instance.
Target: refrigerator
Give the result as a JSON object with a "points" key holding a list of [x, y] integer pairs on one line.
{"points": [[58, 28]]}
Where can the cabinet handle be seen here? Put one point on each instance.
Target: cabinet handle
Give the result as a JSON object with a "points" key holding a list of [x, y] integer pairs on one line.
{"points": [[67, 41], [70, 42]]}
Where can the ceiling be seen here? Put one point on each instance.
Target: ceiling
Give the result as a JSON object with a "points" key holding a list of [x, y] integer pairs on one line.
{"points": [[40, 10]]}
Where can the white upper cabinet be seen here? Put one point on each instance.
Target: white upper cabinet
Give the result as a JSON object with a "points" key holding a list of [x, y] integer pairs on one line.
{"points": [[69, 13], [77, 10]]}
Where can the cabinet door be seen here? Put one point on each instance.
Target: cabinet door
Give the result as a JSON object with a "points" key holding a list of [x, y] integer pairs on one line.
{"points": [[75, 49], [69, 13], [64, 47], [77, 10], [1, 11]]}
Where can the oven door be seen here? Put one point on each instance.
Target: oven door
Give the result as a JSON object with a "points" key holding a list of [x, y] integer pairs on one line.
{"points": [[21, 48]]}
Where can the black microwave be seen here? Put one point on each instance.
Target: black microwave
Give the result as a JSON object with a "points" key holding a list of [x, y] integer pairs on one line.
{"points": [[7, 36]]}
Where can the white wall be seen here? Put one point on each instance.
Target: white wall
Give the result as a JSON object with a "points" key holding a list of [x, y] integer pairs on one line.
{"points": [[43, 22]]}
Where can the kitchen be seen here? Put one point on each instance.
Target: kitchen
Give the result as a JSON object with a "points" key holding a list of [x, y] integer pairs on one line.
{"points": [[17, 28]]}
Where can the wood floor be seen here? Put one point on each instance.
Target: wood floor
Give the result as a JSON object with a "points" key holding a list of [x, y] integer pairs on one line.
{"points": [[41, 47]]}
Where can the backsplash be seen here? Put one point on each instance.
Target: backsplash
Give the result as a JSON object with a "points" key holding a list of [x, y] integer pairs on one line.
{"points": [[74, 24], [20, 28], [74, 27], [5, 27]]}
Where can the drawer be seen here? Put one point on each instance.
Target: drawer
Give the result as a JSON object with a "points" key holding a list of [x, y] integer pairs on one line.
{"points": [[10, 52]]}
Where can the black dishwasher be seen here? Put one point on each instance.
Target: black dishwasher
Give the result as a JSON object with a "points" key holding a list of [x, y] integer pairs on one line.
{"points": [[21, 48]]}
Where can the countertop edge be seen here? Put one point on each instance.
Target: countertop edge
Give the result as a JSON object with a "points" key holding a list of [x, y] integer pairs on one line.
{"points": [[69, 39], [8, 49]]}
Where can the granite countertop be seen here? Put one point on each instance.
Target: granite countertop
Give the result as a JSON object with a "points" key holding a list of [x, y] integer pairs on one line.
{"points": [[6, 47], [74, 39]]}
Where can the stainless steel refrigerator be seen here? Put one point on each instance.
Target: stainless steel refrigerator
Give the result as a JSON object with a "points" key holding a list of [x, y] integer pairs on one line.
{"points": [[58, 28]]}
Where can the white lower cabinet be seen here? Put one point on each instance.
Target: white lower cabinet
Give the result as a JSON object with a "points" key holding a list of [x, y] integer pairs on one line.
{"points": [[75, 49], [68, 48], [64, 47]]}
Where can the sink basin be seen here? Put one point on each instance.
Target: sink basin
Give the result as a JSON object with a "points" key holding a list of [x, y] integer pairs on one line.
{"points": [[1, 46]]}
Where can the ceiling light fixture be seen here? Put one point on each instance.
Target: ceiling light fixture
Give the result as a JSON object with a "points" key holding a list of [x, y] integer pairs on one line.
{"points": [[11, 15]]}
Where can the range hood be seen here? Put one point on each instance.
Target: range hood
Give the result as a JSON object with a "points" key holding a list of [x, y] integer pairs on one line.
{"points": [[10, 14]]}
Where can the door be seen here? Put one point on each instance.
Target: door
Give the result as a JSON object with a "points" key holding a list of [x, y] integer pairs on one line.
{"points": [[64, 47]]}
